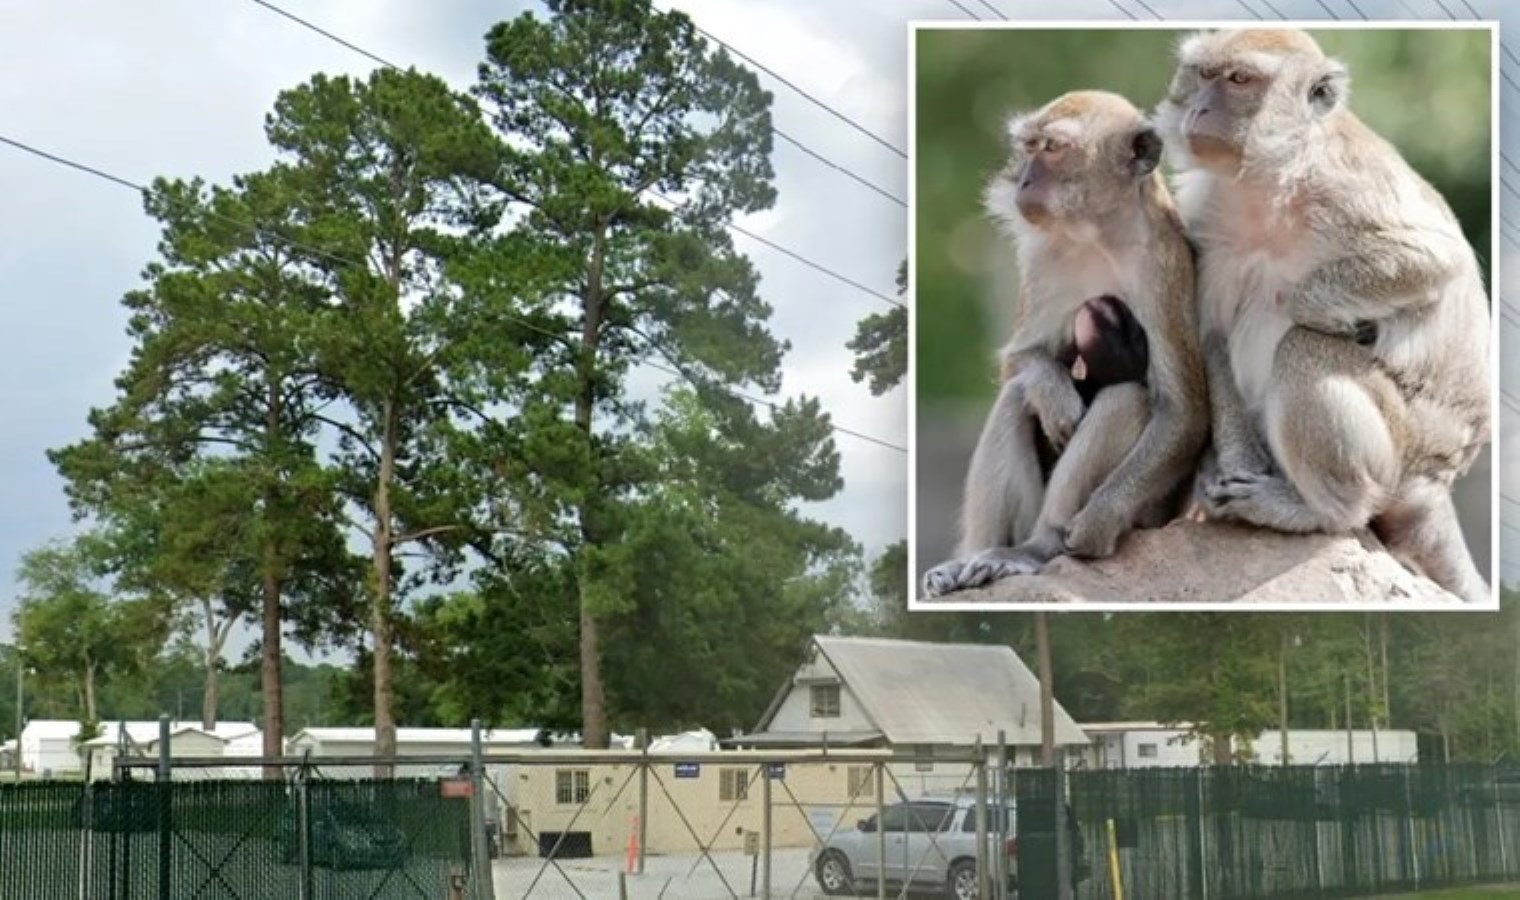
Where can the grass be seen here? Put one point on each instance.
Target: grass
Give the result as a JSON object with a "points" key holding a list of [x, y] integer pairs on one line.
{"points": [[1489, 892]]}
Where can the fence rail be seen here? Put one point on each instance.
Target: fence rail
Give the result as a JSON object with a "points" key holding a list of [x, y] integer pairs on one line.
{"points": [[738, 824]]}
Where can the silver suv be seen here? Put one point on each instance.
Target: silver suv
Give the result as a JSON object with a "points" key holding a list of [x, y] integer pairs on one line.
{"points": [[930, 844]]}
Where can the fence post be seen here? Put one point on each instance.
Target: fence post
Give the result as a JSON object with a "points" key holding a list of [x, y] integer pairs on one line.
{"points": [[1000, 794], [1414, 851], [1063, 839], [765, 831], [1499, 815], [165, 830], [484, 885], [881, 833], [643, 821], [983, 877], [303, 829]]}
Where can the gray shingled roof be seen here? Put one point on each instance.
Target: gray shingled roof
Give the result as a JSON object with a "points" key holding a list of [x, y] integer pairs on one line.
{"points": [[923, 693]]}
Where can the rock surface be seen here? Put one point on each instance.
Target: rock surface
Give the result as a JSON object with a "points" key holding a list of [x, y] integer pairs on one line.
{"points": [[1195, 562]]}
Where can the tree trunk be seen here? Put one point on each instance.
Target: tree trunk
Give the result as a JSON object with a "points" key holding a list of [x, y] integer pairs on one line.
{"points": [[1383, 644], [1372, 689], [1223, 755], [210, 695], [89, 692], [1282, 693], [380, 612], [1047, 690], [271, 682], [595, 734]]}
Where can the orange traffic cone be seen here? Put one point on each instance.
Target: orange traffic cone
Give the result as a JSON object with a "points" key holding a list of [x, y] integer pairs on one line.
{"points": [[633, 846]]}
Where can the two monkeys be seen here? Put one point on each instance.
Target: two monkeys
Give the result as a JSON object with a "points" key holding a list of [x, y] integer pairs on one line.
{"points": [[1312, 344]]}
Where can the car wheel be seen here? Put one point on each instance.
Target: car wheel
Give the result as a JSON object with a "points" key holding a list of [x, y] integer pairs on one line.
{"points": [[960, 882], [833, 873]]}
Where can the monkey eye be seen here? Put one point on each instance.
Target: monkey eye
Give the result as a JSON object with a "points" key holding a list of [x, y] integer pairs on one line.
{"points": [[1054, 146], [1238, 77], [1030, 146]]}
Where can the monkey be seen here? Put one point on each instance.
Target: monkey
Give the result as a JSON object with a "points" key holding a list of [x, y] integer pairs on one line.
{"points": [[1108, 347], [1344, 318], [1090, 216]]}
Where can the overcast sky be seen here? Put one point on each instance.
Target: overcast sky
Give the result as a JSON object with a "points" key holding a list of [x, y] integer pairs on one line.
{"points": [[180, 88]]}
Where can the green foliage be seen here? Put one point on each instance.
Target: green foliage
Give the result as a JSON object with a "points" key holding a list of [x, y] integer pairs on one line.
{"points": [[1452, 678], [69, 629], [1425, 91], [610, 114], [880, 344]]}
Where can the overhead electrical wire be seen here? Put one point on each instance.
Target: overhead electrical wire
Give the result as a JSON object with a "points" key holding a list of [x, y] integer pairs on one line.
{"points": [[254, 228]]}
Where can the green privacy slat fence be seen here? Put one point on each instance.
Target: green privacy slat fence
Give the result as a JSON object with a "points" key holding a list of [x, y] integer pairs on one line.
{"points": [[230, 839], [1301, 831]]}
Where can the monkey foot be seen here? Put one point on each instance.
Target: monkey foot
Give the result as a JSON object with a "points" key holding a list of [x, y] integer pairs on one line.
{"points": [[981, 569]]}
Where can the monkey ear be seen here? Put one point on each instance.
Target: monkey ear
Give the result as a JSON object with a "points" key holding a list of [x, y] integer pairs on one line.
{"points": [[1327, 92], [1145, 151]]}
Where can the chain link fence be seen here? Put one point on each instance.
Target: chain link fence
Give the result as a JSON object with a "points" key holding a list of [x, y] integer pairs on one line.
{"points": [[724, 824], [1297, 831]]}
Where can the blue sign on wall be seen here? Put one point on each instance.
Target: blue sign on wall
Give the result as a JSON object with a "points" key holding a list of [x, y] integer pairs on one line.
{"points": [[775, 771], [688, 770]]}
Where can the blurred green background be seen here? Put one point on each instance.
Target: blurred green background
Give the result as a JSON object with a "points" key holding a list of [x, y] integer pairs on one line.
{"points": [[1427, 91]]}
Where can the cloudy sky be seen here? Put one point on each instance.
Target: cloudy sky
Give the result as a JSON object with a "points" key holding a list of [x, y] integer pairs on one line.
{"points": [[180, 88]]}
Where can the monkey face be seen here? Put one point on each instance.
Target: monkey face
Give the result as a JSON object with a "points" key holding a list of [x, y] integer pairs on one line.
{"points": [[1074, 161], [1247, 98]]}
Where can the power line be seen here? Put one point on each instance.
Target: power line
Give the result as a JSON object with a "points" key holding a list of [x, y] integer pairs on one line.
{"points": [[1445, 10], [1275, 11], [969, 13], [730, 225], [291, 242], [787, 251], [993, 9], [1131, 16], [1328, 10], [838, 168], [796, 89], [1352, 4], [1471, 10], [1254, 13], [375, 57], [1145, 6]]}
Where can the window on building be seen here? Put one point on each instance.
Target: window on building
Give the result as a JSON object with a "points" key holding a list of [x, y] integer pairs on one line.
{"points": [[572, 786], [1145, 751], [859, 781], [825, 701], [733, 784]]}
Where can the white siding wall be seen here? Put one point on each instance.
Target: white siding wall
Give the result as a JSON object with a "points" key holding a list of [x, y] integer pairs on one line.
{"points": [[796, 711], [1328, 748], [55, 754]]}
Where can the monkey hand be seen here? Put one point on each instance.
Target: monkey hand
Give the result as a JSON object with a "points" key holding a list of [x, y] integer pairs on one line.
{"points": [[1058, 406], [1095, 531]]}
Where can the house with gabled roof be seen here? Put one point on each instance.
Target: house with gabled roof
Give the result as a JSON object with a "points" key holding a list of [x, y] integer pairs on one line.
{"points": [[913, 697]]}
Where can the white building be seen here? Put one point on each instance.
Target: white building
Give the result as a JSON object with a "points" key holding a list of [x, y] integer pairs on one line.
{"points": [[914, 697], [1138, 745], [411, 741], [52, 745], [47, 746]]}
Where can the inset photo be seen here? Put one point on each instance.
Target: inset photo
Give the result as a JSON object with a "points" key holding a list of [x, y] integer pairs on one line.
{"points": [[1201, 317]]}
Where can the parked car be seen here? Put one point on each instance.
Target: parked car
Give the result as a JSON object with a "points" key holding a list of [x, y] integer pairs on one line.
{"points": [[930, 845], [344, 835]]}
